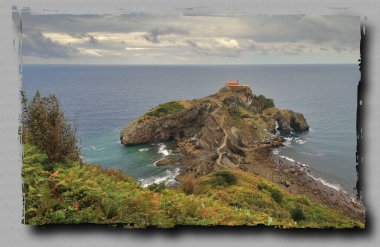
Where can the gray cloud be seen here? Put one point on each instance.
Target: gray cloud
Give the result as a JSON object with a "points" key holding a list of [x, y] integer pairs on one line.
{"points": [[84, 36], [190, 36], [154, 34], [213, 49], [338, 49], [317, 29], [35, 44]]}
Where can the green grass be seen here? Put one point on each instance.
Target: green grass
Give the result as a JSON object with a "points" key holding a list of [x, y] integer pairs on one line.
{"points": [[79, 193], [165, 109], [264, 199]]}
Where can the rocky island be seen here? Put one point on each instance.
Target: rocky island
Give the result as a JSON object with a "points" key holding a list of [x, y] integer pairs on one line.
{"points": [[235, 129]]}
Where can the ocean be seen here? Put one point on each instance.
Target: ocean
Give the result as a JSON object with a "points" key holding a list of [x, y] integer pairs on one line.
{"points": [[100, 99]]}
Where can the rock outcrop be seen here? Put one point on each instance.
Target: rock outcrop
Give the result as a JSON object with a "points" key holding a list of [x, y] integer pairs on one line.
{"points": [[182, 124], [289, 120]]}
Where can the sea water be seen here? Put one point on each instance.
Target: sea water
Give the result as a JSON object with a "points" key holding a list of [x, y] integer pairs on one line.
{"points": [[100, 100]]}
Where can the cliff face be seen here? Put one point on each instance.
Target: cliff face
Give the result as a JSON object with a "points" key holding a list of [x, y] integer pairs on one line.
{"points": [[217, 129], [176, 126]]}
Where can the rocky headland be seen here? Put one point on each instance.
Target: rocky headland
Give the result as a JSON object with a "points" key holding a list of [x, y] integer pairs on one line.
{"points": [[234, 129]]}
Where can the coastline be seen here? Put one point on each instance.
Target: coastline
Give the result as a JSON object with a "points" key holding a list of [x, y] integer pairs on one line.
{"points": [[297, 178]]}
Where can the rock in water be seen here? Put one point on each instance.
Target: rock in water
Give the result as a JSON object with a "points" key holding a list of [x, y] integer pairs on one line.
{"points": [[288, 120], [165, 162]]}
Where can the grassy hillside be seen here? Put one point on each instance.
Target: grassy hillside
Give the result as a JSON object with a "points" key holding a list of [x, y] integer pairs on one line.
{"points": [[166, 109], [73, 192]]}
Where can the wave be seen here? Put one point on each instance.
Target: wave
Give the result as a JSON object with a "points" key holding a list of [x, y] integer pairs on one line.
{"points": [[300, 141], [168, 179], [162, 150], [337, 187], [318, 154], [292, 139], [143, 149], [96, 149], [287, 158], [155, 163]]}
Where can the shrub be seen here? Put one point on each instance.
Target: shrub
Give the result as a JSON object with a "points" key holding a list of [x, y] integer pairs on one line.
{"points": [[261, 103], [31, 155], [224, 178], [276, 195], [187, 186], [157, 187], [262, 186], [44, 125], [298, 213]]}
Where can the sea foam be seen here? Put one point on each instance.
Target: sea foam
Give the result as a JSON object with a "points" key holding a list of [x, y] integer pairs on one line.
{"points": [[163, 150], [168, 178]]}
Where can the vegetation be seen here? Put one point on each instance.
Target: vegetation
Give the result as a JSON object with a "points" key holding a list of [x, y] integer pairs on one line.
{"points": [[223, 178], [187, 185], [260, 103], [44, 125], [165, 109], [60, 189], [80, 193], [297, 213]]}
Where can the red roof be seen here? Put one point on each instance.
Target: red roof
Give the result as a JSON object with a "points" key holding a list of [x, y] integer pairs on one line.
{"points": [[232, 83]]}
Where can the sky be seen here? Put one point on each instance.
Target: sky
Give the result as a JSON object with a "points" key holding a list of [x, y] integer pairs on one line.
{"points": [[147, 38]]}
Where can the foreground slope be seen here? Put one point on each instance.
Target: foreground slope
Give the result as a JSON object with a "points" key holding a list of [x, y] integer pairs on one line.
{"points": [[72, 193]]}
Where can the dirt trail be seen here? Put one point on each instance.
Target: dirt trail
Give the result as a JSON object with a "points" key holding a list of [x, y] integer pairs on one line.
{"points": [[224, 143]]}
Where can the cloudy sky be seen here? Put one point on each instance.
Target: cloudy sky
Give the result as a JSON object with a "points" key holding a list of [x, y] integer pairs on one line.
{"points": [[142, 38]]}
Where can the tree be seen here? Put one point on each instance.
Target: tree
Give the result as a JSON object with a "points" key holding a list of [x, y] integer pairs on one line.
{"points": [[45, 126]]}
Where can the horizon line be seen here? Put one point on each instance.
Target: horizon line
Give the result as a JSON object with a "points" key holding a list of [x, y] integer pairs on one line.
{"points": [[156, 64]]}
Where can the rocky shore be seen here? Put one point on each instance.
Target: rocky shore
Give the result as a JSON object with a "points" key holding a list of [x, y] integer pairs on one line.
{"points": [[234, 129]]}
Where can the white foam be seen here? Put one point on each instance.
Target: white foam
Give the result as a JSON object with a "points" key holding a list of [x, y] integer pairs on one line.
{"points": [[318, 154], [162, 150], [95, 149], [143, 149], [168, 178], [336, 187], [300, 141], [324, 182], [155, 163], [287, 158], [276, 151]]}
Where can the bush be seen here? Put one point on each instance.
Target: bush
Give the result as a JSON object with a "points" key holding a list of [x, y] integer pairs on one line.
{"points": [[157, 187], [187, 186], [298, 213], [44, 125], [276, 195], [262, 186], [224, 178], [261, 103]]}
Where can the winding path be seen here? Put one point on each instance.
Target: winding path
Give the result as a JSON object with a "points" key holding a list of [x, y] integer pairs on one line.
{"points": [[224, 143]]}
